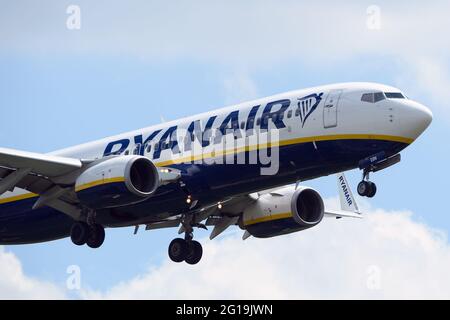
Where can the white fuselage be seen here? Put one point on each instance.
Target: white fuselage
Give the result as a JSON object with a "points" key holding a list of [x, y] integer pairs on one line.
{"points": [[339, 114]]}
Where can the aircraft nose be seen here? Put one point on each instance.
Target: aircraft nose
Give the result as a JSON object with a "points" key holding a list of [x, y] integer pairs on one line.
{"points": [[418, 118]]}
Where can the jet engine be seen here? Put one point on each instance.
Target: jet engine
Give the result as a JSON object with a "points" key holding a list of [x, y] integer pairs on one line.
{"points": [[117, 181], [283, 211]]}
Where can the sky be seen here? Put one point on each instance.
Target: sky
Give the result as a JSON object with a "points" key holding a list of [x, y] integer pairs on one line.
{"points": [[128, 64]]}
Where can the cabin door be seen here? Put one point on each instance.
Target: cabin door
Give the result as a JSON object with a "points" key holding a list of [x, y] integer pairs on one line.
{"points": [[330, 109]]}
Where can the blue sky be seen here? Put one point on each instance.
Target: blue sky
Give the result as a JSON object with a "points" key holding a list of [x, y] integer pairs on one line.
{"points": [[132, 63]]}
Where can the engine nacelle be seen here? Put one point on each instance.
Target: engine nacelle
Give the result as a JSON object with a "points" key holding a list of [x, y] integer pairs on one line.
{"points": [[283, 211], [117, 181]]}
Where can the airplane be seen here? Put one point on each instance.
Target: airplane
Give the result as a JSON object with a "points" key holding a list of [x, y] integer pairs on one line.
{"points": [[182, 174]]}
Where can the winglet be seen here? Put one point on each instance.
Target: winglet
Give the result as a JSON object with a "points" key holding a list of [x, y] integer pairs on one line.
{"points": [[346, 198]]}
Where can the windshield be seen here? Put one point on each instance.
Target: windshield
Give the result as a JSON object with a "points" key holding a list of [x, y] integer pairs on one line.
{"points": [[394, 95], [373, 97]]}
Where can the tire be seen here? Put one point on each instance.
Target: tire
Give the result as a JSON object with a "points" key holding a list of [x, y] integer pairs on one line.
{"points": [[79, 233], [363, 188], [195, 252], [178, 250], [372, 190], [96, 237]]}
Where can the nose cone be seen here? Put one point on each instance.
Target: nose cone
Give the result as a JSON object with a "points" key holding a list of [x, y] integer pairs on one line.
{"points": [[417, 118]]}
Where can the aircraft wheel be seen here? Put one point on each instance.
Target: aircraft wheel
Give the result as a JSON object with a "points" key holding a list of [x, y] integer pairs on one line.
{"points": [[363, 188], [195, 252], [367, 189], [373, 190], [96, 236], [79, 233], [178, 250]]}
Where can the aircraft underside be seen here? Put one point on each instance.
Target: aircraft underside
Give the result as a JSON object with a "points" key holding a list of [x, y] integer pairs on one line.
{"points": [[210, 183]]}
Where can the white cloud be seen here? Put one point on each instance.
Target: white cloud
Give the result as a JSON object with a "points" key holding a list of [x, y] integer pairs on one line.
{"points": [[249, 32], [386, 255], [249, 35], [14, 284]]}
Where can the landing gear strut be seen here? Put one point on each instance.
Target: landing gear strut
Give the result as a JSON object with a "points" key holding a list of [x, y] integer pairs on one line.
{"points": [[186, 249]]}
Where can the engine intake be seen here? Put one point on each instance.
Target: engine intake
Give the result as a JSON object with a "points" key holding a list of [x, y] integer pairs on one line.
{"points": [[142, 177], [307, 207], [117, 181], [283, 211]]}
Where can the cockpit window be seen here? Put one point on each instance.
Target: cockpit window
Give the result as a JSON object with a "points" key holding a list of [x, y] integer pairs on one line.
{"points": [[373, 97], [394, 95], [379, 96], [367, 97]]}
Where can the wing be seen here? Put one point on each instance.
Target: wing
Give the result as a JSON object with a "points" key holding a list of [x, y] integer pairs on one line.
{"points": [[32, 171], [219, 216], [228, 213], [46, 165], [39, 174]]}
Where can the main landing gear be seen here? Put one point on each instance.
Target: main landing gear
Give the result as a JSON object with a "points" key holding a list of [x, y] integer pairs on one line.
{"points": [[186, 249], [82, 233], [181, 250]]}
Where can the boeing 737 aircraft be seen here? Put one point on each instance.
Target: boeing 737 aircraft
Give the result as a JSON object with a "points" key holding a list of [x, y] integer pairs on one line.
{"points": [[242, 165]]}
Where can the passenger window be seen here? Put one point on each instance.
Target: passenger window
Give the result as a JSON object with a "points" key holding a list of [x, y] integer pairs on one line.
{"points": [[297, 112], [242, 124], [149, 148], [258, 121], [127, 152], [289, 114]]}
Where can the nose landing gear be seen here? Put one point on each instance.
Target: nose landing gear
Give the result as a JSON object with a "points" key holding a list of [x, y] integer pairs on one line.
{"points": [[367, 189], [374, 163]]}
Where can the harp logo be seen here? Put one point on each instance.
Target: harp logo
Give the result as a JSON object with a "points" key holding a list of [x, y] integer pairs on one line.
{"points": [[307, 105]]}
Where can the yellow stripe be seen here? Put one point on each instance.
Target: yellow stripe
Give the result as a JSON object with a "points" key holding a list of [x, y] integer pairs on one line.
{"points": [[348, 137], [277, 216], [98, 183], [82, 187], [19, 197], [285, 143], [237, 150]]}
